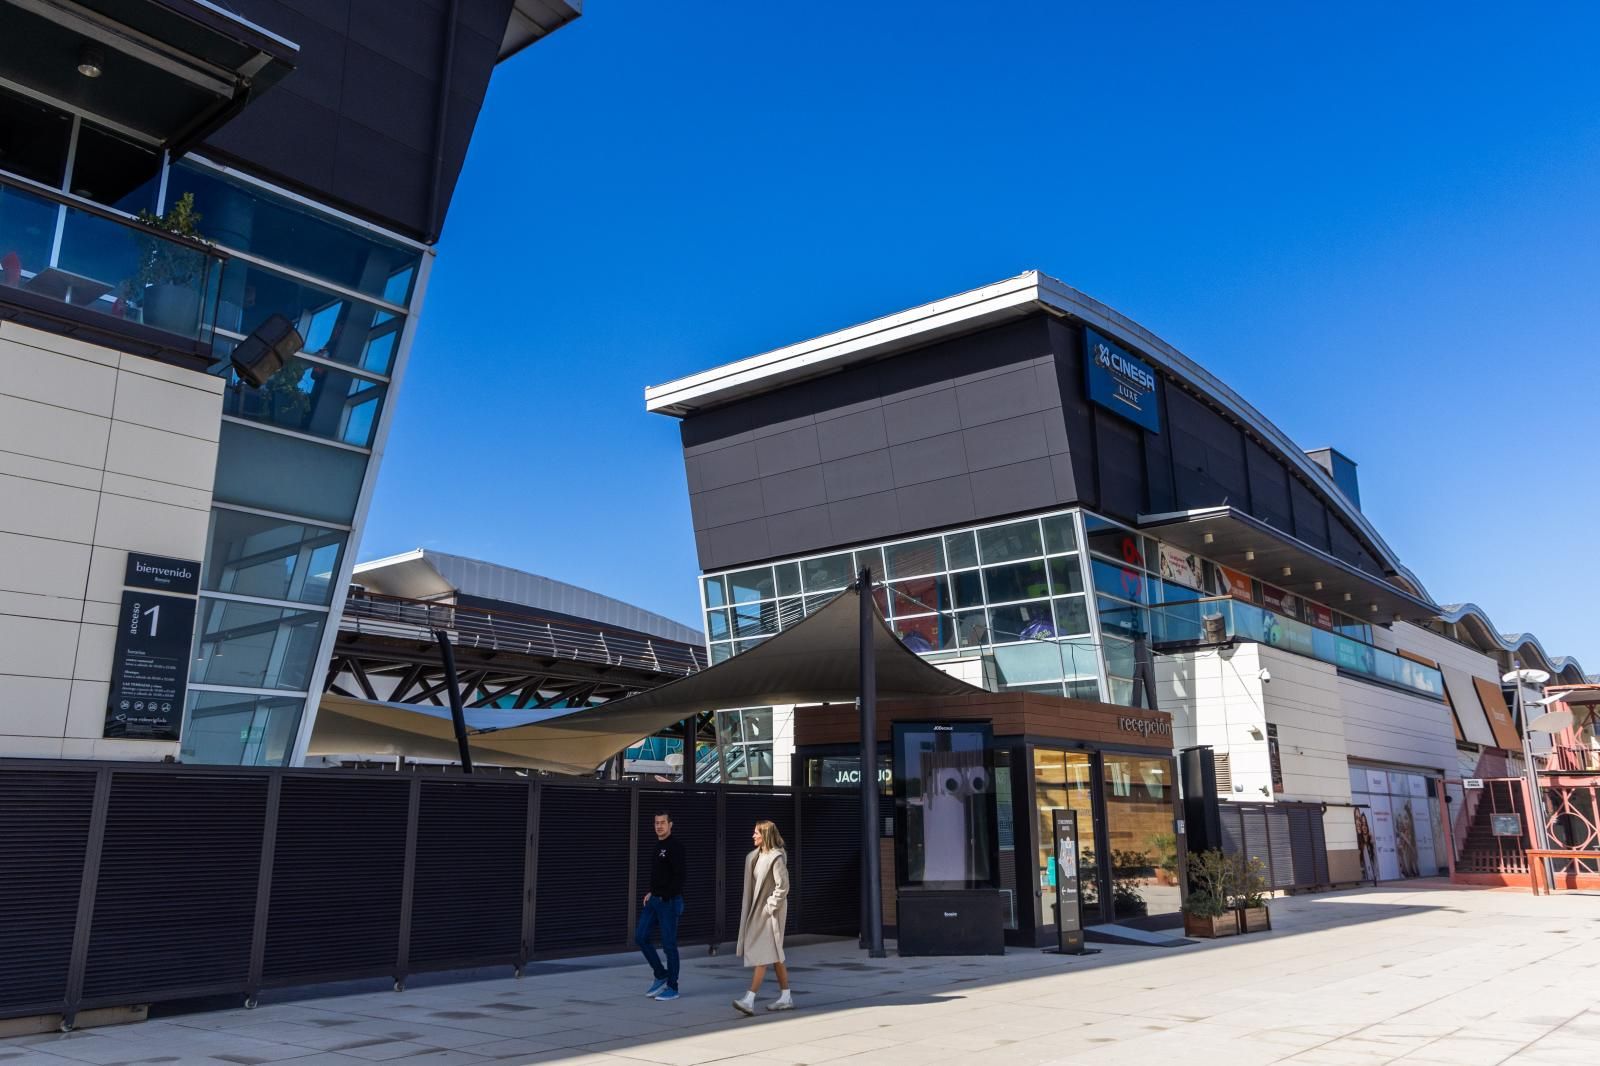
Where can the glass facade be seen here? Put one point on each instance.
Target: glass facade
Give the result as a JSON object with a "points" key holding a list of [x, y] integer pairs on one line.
{"points": [[294, 455]]}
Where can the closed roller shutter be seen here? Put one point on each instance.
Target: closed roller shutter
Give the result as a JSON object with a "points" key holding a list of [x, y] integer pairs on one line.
{"points": [[466, 903], [583, 869]]}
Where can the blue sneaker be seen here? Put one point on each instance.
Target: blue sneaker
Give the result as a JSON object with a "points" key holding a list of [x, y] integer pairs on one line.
{"points": [[655, 989], [663, 996]]}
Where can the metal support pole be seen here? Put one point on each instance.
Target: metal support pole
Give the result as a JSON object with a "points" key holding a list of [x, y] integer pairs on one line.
{"points": [[457, 715], [869, 772], [1541, 836]]}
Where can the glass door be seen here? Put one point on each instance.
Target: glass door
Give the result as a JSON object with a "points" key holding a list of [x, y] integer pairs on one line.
{"points": [[1061, 781]]}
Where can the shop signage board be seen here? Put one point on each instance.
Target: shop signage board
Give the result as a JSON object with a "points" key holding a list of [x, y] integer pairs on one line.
{"points": [[150, 666], [1069, 916], [1120, 381], [1505, 825], [1235, 584], [1472, 782], [162, 574]]}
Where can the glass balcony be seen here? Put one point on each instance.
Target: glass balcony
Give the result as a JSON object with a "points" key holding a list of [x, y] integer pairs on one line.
{"points": [[55, 250], [1176, 625]]}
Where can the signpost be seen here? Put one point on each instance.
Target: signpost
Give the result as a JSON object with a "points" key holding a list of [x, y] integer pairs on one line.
{"points": [[150, 666], [1069, 915]]}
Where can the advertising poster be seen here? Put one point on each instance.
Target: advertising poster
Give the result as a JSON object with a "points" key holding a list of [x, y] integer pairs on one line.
{"points": [[1180, 567], [1235, 584], [1280, 602], [1383, 838], [1319, 616]]}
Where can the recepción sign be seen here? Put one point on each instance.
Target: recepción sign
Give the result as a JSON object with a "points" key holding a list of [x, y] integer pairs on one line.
{"points": [[1120, 381], [150, 667]]}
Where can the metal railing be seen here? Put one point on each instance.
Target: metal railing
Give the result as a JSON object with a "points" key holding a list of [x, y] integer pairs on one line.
{"points": [[73, 252], [479, 628], [1183, 624], [1569, 760]]}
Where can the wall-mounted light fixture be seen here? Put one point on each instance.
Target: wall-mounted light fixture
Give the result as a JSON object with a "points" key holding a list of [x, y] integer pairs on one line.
{"points": [[1249, 557], [1317, 585], [1288, 571]]}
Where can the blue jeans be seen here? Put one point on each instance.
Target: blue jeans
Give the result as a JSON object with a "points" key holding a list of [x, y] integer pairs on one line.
{"points": [[665, 914]]}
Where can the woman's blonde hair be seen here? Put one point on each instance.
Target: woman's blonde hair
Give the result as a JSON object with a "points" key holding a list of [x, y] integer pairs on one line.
{"points": [[771, 839]]}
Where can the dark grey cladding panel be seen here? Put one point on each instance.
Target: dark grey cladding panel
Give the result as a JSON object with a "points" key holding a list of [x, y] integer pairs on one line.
{"points": [[926, 415], [852, 434], [788, 450], [356, 124], [933, 459], [859, 475], [792, 489], [865, 517], [888, 445], [1269, 488], [1010, 440], [1310, 515], [934, 504], [729, 504], [1121, 456]]}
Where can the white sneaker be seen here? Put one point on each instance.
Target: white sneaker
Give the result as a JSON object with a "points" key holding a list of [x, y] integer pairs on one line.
{"points": [[783, 1002], [745, 1004]]}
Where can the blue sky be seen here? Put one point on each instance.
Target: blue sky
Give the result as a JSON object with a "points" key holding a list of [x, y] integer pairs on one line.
{"points": [[1380, 225]]}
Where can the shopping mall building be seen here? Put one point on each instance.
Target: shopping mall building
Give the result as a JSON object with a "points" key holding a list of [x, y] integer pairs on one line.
{"points": [[1057, 501], [174, 539]]}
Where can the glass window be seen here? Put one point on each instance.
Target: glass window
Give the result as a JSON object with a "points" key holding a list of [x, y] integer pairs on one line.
{"points": [[1019, 540], [868, 559], [235, 730], [308, 398], [252, 220], [252, 645], [914, 558], [1124, 691], [1028, 665], [826, 573], [1060, 534], [1065, 575], [27, 234], [1084, 690], [717, 624], [115, 171], [1016, 581], [1078, 659], [716, 591], [345, 331], [790, 612], [1139, 815], [757, 725], [927, 633], [1119, 656], [919, 595], [813, 602], [961, 549], [1022, 621], [748, 585], [1123, 582], [721, 652], [755, 619], [33, 139], [1123, 619], [1061, 782], [972, 628], [252, 555], [1114, 541], [967, 588], [279, 473], [1072, 615], [741, 646], [788, 575]]}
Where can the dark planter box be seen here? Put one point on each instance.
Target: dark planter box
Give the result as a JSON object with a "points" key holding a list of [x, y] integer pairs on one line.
{"points": [[1254, 919], [1226, 924]]}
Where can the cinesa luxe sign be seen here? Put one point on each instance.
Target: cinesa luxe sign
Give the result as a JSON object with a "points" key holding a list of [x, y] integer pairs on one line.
{"points": [[1120, 381]]}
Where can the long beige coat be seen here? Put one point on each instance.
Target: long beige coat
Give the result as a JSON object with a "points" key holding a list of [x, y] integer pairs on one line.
{"points": [[765, 908]]}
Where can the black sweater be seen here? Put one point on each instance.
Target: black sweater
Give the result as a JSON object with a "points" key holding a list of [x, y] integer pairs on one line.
{"points": [[667, 870]]}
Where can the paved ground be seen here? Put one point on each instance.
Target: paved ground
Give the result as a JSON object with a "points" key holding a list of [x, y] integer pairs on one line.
{"points": [[1434, 975]]}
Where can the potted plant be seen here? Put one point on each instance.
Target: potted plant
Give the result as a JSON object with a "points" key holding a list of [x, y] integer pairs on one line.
{"points": [[1250, 898], [1206, 910], [168, 281]]}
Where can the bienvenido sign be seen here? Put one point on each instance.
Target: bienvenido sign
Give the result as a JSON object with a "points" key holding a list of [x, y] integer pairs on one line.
{"points": [[150, 667], [163, 574]]}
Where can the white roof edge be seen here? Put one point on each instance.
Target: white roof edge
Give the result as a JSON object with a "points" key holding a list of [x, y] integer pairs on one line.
{"points": [[971, 310], [390, 560]]}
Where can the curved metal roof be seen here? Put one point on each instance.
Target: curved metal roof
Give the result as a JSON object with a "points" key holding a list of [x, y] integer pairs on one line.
{"points": [[1475, 620]]}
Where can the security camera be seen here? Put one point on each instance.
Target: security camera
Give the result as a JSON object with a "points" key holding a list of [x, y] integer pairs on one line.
{"points": [[1266, 675]]}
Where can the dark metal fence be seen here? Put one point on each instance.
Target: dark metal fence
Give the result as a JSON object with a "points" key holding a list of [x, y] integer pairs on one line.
{"points": [[137, 883], [1288, 838]]}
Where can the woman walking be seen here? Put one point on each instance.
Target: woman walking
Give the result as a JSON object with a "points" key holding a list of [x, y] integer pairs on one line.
{"points": [[762, 916]]}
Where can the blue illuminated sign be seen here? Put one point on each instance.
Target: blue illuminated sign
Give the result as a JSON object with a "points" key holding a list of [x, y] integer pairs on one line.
{"points": [[1120, 381]]}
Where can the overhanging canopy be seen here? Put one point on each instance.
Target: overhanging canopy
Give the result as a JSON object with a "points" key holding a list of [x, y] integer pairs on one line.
{"points": [[1229, 536], [815, 661]]}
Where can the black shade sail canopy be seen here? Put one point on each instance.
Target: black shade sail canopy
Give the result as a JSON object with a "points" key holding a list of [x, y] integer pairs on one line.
{"points": [[816, 660]]}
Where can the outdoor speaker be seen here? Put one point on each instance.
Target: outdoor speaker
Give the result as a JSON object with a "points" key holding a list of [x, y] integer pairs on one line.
{"points": [[263, 353]]}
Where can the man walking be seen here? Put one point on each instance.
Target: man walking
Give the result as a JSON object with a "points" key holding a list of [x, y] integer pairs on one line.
{"points": [[663, 905]]}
